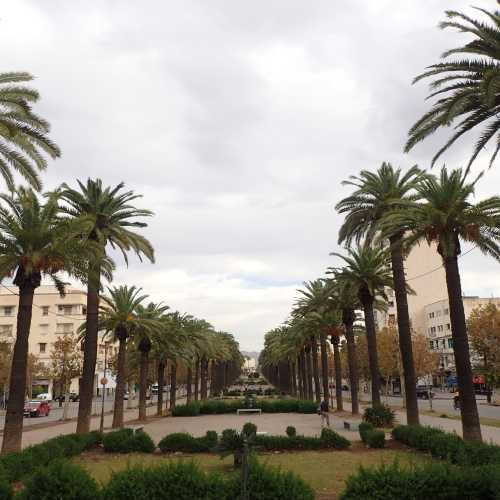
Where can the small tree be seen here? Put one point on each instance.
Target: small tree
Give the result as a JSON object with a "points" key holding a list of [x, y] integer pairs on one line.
{"points": [[389, 355], [65, 365], [5, 360]]}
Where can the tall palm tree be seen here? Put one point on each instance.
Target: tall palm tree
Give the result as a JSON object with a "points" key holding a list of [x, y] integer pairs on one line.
{"points": [[112, 214], [447, 216], [347, 301], [367, 268], [24, 140], [34, 241], [118, 316], [465, 89], [376, 195], [148, 325]]}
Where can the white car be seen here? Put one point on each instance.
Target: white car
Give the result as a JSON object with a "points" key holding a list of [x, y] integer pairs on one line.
{"points": [[45, 396]]}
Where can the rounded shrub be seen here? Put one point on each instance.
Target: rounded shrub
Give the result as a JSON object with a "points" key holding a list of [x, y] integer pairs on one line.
{"points": [[291, 431], [211, 438], [379, 415], [249, 429], [142, 443], [187, 410], [61, 479], [364, 428], [375, 439], [330, 439], [183, 442], [126, 441]]}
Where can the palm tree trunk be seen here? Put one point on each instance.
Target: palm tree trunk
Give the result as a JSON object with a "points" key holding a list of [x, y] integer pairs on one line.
{"points": [[304, 373], [348, 320], [173, 385], [314, 352], [120, 382], [293, 377], [161, 384], [204, 377], [13, 430], [189, 385], [371, 339], [404, 329], [324, 367], [471, 429], [309, 375], [143, 384], [196, 378], [89, 352], [299, 378], [338, 372]]}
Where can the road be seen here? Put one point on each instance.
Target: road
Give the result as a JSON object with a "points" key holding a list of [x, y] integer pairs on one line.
{"points": [[56, 411]]}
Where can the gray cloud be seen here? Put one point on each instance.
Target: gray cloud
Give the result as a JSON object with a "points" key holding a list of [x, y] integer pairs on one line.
{"points": [[237, 121]]}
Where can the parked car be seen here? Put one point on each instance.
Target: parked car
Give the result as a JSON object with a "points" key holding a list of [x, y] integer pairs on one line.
{"points": [[126, 395], [36, 409], [45, 396], [73, 396], [423, 392]]}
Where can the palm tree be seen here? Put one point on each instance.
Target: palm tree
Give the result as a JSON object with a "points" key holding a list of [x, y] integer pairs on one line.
{"points": [[34, 241], [148, 325], [447, 216], [465, 89], [347, 301], [118, 315], [377, 194], [112, 215], [24, 140], [368, 269]]}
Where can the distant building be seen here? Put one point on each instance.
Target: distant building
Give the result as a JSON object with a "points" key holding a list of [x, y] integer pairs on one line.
{"points": [[52, 317]]}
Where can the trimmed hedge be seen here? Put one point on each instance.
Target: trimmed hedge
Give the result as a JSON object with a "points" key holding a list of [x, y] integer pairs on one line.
{"points": [[447, 446], [5, 488], [218, 407], [433, 481], [328, 440], [185, 481], [61, 479], [128, 441], [20, 464], [364, 428], [186, 443], [375, 439], [291, 431]]}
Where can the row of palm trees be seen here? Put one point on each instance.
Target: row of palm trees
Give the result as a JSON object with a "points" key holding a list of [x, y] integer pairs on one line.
{"points": [[388, 213], [172, 340]]}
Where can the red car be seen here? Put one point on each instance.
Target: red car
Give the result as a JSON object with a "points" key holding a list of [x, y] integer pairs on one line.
{"points": [[36, 409]]}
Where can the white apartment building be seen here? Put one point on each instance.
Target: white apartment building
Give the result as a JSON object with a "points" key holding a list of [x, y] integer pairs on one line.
{"points": [[52, 316]]}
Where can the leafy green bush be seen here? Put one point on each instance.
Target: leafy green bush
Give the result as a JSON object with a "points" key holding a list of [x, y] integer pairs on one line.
{"points": [[61, 479], [291, 431], [187, 410], [126, 441], [186, 443], [379, 415], [249, 429], [431, 481], [447, 446], [330, 439], [375, 438], [5, 488], [364, 429], [19, 464], [179, 481]]}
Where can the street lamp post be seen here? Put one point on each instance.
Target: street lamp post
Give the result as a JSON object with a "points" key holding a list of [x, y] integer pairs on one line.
{"points": [[104, 382]]}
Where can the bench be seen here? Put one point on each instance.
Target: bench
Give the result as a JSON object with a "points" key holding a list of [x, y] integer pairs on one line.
{"points": [[249, 410], [351, 426], [136, 428]]}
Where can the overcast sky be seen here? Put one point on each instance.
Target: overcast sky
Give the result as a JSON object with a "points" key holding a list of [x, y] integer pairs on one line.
{"points": [[237, 120]]}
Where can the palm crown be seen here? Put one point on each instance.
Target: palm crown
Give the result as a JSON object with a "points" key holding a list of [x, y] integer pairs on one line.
{"points": [[447, 215], [376, 194], [466, 88], [23, 135]]}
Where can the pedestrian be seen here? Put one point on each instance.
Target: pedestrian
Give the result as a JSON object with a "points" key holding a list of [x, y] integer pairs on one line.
{"points": [[323, 412]]}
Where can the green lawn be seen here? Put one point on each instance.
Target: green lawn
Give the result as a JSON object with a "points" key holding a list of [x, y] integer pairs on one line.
{"points": [[325, 471]]}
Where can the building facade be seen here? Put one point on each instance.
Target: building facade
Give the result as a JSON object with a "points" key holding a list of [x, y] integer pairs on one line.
{"points": [[52, 317]]}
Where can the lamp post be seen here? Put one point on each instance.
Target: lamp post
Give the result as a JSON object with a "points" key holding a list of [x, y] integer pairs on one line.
{"points": [[104, 382]]}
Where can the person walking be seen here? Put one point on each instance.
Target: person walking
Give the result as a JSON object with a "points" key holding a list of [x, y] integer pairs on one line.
{"points": [[323, 411]]}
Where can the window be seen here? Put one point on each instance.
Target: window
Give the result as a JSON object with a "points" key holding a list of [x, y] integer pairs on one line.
{"points": [[44, 328], [433, 329], [392, 319], [450, 343], [446, 312], [65, 309], [438, 313], [8, 310], [448, 327], [84, 309], [45, 310], [5, 330], [431, 345], [42, 347], [99, 365], [391, 303], [431, 315], [443, 343], [64, 328], [440, 328]]}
